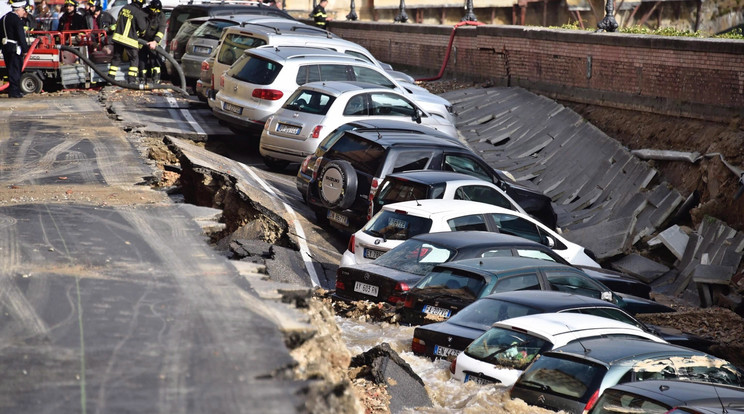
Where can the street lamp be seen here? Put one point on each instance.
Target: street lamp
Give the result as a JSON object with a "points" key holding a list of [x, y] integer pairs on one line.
{"points": [[402, 16], [469, 15], [608, 24], [352, 14]]}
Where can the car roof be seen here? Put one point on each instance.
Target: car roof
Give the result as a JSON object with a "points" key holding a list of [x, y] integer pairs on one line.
{"points": [[550, 301], [690, 392], [617, 350], [548, 325], [462, 239], [392, 126], [431, 207], [434, 177], [282, 53], [404, 138], [495, 265], [288, 28], [337, 88]]}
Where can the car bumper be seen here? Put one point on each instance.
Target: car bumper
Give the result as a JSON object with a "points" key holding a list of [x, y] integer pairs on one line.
{"points": [[191, 66], [233, 119]]}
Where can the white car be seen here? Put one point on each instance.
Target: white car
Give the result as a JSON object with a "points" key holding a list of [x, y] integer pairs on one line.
{"points": [[316, 109], [396, 222], [500, 355], [263, 78]]}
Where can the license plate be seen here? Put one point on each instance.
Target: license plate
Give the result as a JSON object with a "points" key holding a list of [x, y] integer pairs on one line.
{"points": [[366, 289], [288, 129], [477, 380], [233, 108], [338, 218], [443, 351], [433, 310], [372, 253], [202, 50]]}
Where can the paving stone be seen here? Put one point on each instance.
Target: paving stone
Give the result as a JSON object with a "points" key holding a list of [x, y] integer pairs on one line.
{"points": [[605, 239], [714, 274], [675, 239], [636, 265]]}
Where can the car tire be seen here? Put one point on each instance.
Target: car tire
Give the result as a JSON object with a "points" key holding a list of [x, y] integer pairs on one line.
{"points": [[31, 83], [337, 185], [275, 164]]}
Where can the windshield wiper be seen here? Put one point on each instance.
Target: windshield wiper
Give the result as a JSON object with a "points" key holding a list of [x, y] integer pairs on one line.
{"points": [[534, 384]]}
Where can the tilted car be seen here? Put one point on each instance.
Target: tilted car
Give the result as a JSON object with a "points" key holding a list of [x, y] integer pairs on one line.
{"points": [[448, 338], [316, 109], [398, 221], [262, 79], [572, 377], [501, 353], [340, 180], [670, 397]]}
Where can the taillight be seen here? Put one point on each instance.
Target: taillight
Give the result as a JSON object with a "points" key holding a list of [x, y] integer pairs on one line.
{"points": [[397, 295], [316, 167], [372, 191], [340, 285], [222, 80], [453, 366], [591, 401], [267, 94], [409, 302], [418, 346], [352, 239], [205, 65], [305, 163], [316, 131]]}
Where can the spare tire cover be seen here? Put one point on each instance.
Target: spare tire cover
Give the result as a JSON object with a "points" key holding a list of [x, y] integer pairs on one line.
{"points": [[338, 185]]}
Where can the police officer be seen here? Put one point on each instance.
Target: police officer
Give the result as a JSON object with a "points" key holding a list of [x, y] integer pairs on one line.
{"points": [[149, 61], [14, 45], [71, 19], [319, 14], [131, 23]]}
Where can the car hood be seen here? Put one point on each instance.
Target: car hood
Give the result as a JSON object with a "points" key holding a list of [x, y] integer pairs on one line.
{"points": [[677, 337], [385, 272], [453, 329], [636, 305]]}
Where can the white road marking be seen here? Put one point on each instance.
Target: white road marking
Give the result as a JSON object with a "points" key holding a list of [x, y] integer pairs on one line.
{"points": [[304, 250], [186, 114]]}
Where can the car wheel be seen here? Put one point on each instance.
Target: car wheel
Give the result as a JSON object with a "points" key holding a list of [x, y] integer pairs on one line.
{"points": [[338, 185], [31, 83], [275, 164], [321, 217]]}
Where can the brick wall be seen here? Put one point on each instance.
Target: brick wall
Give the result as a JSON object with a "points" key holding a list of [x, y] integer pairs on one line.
{"points": [[701, 78]]}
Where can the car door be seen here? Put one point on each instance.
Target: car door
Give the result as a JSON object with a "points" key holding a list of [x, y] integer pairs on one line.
{"points": [[576, 282], [522, 281]]}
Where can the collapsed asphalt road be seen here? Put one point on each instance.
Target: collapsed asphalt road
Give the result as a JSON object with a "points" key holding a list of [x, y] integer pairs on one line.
{"points": [[113, 301]]}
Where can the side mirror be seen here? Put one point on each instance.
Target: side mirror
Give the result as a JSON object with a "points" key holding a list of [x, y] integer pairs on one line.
{"points": [[417, 114], [607, 296], [548, 241]]}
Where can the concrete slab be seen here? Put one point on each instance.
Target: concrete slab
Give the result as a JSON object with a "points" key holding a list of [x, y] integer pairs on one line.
{"points": [[636, 265], [712, 274], [675, 239], [606, 239]]}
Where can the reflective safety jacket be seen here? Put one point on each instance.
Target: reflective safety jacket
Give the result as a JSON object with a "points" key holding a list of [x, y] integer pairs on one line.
{"points": [[130, 25], [319, 16], [155, 27]]}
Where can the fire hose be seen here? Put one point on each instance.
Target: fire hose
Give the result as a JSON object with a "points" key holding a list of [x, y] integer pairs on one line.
{"points": [[145, 87], [449, 49], [25, 61]]}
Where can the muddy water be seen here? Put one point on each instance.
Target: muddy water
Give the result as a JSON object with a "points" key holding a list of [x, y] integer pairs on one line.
{"points": [[447, 394]]}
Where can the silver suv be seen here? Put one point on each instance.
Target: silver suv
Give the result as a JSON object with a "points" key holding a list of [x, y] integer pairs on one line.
{"points": [[261, 80]]}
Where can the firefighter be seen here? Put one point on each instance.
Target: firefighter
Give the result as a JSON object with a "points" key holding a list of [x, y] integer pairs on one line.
{"points": [[132, 23], [96, 18], [29, 22], [14, 45], [71, 19], [319, 14], [149, 61]]}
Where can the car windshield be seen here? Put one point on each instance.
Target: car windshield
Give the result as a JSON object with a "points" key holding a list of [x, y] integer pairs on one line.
{"points": [[414, 256], [211, 29], [395, 225], [618, 401], [254, 70], [507, 348], [483, 313], [695, 368], [233, 46], [451, 282], [568, 378], [311, 102]]}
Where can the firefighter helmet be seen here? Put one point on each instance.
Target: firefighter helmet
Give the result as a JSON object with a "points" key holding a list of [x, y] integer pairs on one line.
{"points": [[138, 2], [29, 8], [70, 3], [156, 6]]}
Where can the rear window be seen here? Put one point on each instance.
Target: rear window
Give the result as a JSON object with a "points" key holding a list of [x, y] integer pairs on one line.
{"points": [[366, 156], [567, 378], [483, 313], [414, 256], [234, 45], [449, 282], [315, 73], [187, 30], [212, 29], [311, 102], [507, 348], [393, 225], [255, 70], [616, 401]]}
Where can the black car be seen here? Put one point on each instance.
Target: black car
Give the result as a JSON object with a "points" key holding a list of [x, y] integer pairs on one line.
{"points": [[354, 163], [672, 397], [393, 272], [451, 336], [450, 287]]}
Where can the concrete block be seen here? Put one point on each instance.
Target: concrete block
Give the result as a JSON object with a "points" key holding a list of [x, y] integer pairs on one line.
{"points": [[605, 239], [712, 274], [636, 265], [675, 239]]}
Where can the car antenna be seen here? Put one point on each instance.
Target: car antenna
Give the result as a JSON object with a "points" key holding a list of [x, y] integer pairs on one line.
{"points": [[720, 401], [586, 350], [416, 200]]}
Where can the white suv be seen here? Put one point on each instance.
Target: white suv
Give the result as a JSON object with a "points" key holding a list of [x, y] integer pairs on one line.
{"points": [[262, 79]]}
